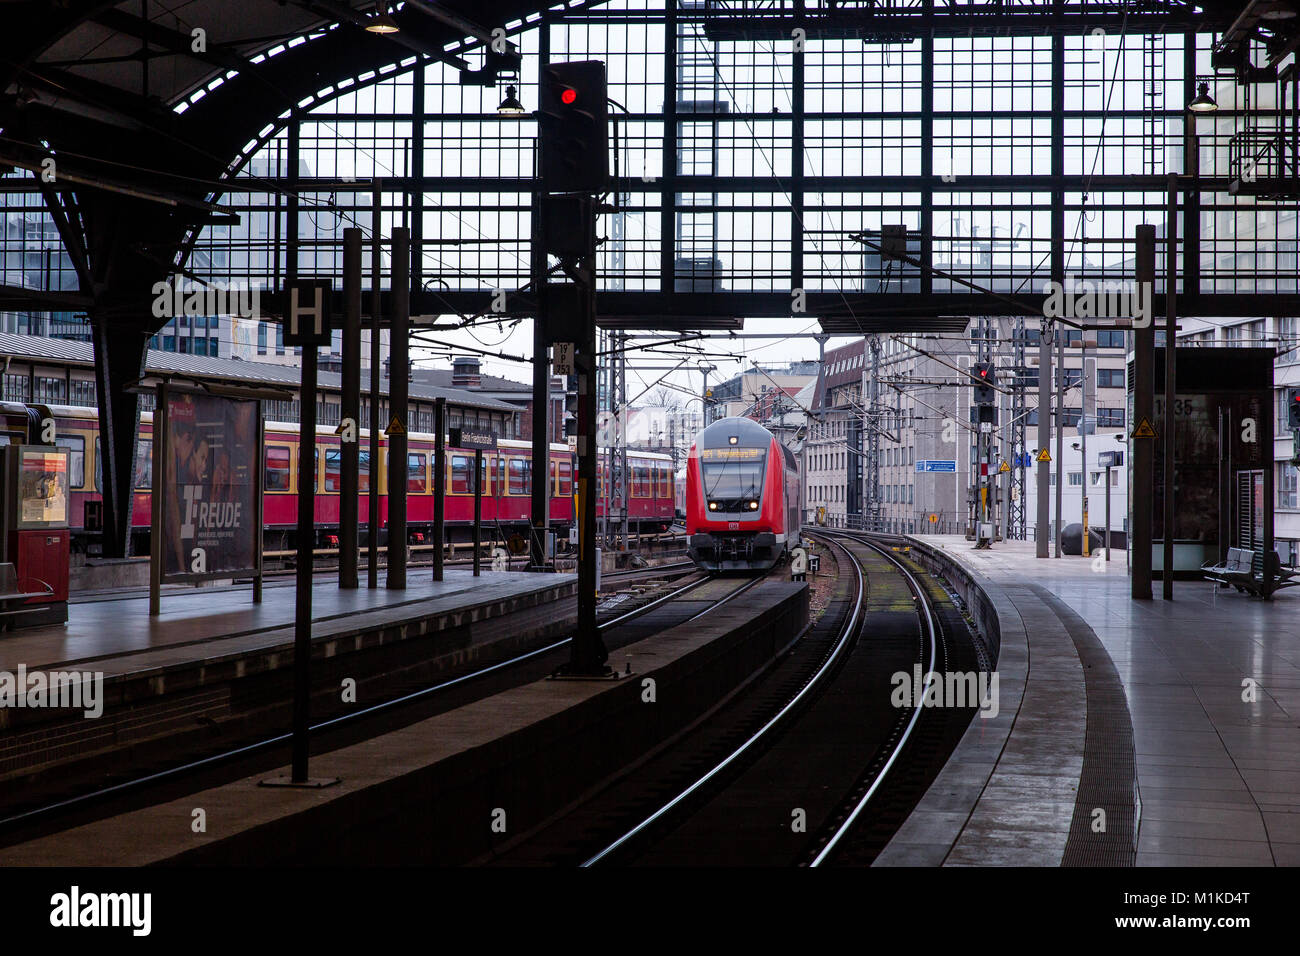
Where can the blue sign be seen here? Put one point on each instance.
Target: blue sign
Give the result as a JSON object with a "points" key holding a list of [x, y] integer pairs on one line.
{"points": [[940, 465]]}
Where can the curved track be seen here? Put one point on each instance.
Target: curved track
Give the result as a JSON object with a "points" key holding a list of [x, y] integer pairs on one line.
{"points": [[811, 764]]}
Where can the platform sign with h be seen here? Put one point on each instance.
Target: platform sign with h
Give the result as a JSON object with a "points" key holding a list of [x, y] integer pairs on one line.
{"points": [[308, 323]]}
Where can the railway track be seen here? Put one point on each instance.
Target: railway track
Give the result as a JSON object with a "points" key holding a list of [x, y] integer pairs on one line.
{"points": [[812, 765], [685, 602]]}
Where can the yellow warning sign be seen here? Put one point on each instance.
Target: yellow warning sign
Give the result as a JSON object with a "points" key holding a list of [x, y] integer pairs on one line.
{"points": [[1144, 429], [1043, 455], [395, 427], [1005, 466], [934, 519]]}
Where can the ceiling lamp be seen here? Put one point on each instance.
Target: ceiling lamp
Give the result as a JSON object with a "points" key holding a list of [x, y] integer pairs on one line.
{"points": [[1203, 102], [381, 22], [511, 106]]}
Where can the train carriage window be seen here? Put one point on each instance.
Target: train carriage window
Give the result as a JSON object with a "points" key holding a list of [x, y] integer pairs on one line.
{"points": [[76, 447], [363, 472], [415, 473], [99, 472], [521, 476], [277, 468], [144, 464], [459, 475], [333, 470], [566, 479]]}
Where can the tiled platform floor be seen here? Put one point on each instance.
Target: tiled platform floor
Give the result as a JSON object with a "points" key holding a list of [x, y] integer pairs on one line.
{"points": [[1218, 775]]}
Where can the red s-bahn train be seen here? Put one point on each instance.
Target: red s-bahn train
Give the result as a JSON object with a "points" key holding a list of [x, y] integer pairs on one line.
{"points": [[742, 497], [507, 481]]}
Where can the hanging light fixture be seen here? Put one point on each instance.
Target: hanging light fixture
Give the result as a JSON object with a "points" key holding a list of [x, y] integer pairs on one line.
{"points": [[1203, 102], [381, 22], [511, 106]]}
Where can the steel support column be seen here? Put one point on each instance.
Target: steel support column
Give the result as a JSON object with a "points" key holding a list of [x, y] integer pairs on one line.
{"points": [[1171, 389], [440, 483], [541, 396], [399, 337], [119, 360], [1142, 450], [372, 480], [350, 410]]}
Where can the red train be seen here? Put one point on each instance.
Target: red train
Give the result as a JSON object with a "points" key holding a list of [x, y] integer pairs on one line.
{"points": [[507, 488], [742, 497]]}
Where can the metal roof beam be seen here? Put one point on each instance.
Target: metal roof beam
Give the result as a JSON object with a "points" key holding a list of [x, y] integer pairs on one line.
{"points": [[169, 39]]}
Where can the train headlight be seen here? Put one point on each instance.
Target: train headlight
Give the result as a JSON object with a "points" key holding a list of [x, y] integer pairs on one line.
{"points": [[753, 506], [713, 506]]}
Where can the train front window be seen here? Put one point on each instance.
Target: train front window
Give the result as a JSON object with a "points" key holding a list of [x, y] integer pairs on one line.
{"points": [[732, 483]]}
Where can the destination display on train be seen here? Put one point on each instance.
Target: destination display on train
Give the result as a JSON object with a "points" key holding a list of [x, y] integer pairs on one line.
{"points": [[210, 486], [730, 454]]}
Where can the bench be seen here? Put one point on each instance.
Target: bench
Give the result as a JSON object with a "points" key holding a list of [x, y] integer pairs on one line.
{"points": [[1244, 570], [13, 599]]}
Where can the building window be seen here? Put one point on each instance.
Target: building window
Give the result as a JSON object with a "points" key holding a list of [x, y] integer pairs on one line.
{"points": [[1286, 485], [1076, 478], [83, 393], [1110, 378], [1110, 418], [15, 388], [50, 389]]}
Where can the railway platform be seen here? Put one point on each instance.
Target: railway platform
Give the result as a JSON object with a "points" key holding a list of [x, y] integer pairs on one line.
{"points": [[515, 757], [213, 663], [1154, 733], [116, 635]]}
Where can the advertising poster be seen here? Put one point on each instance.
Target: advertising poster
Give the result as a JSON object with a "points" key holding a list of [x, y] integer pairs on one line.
{"points": [[210, 486], [43, 488]]}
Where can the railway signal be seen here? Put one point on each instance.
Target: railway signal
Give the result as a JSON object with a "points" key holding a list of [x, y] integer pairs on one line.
{"points": [[574, 120], [985, 378], [1293, 407]]}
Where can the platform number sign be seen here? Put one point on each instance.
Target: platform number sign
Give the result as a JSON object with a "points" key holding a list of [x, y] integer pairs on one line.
{"points": [[798, 564], [308, 320]]}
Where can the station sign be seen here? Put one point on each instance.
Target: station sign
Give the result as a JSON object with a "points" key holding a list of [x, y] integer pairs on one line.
{"points": [[1110, 459], [473, 439], [308, 321], [941, 465]]}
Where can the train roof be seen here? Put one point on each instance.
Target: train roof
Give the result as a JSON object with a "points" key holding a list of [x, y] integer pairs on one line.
{"points": [[35, 348], [748, 434], [280, 428]]}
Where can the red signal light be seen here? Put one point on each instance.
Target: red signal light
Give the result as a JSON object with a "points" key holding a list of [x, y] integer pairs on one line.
{"points": [[569, 96]]}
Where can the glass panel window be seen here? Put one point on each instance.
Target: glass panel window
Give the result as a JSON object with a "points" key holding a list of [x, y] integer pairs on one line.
{"points": [[415, 473], [566, 478]]}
